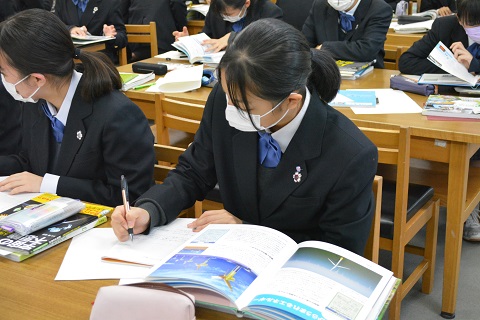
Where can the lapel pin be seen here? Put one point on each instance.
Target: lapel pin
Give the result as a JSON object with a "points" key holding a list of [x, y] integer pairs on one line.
{"points": [[297, 176], [79, 135], [95, 10]]}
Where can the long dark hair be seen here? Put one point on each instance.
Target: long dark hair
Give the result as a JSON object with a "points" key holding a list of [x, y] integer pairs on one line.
{"points": [[468, 12], [272, 59], [37, 41], [220, 6]]}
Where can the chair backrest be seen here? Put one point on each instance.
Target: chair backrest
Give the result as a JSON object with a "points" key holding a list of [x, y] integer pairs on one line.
{"points": [[295, 12], [176, 114], [392, 56], [372, 249], [139, 33]]}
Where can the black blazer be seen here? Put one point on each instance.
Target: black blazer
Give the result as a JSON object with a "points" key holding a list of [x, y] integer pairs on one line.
{"points": [[10, 123], [169, 15], [437, 4], [445, 29], [215, 27], [97, 13], [10, 7], [363, 43], [332, 202], [102, 140]]}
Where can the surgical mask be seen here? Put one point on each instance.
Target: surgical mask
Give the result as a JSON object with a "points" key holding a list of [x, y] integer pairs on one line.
{"points": [[473, 33], [341, 5], [11, 88], [240, 120], [237, 17]]}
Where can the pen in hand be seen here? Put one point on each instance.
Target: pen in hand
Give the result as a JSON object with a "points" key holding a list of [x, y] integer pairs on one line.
{"points": [[126, 203]]}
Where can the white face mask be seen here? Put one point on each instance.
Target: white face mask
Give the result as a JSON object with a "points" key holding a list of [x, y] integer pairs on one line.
{"points": [[11, 88], [341, 5], [239, 119], [237, 17]]}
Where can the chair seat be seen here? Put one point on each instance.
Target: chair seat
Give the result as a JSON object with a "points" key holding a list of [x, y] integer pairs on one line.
{"points": [[418, 196]]}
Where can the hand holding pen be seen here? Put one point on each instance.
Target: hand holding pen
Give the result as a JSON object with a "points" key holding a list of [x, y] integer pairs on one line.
{"points": [[126, 202]]}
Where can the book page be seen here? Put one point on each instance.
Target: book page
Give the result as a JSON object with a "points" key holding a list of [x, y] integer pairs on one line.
{"points": [[322, 281], [8, 201], [390, 101], [226, 259], [192, 46], [179, 80]]}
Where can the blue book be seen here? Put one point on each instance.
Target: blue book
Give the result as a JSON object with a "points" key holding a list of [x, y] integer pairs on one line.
{"points": [[354, 98]]}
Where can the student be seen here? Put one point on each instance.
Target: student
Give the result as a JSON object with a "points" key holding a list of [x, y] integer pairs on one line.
{"points": [[169, 15], [96, 17], [461, 33], [10, 7], [352, 30], [10, 123], [96, 133], [311, 178], [226, 18], [443, 7]]}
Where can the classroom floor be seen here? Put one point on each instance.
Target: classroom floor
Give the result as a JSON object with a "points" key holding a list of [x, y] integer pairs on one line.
{"points": [[417, 305]]}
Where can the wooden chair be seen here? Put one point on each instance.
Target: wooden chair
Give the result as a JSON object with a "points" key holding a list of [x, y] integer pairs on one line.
{"points": [[139, 33], [372, 248], [392, 56], [167, 159], [406, 209]]}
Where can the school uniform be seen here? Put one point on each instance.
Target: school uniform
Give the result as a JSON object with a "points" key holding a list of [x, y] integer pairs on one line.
{"points": [[363, 43], [10, 7], [169, 16], [10, 125], [445, 29], [437, 4], [97, 13], [102, 140], [331, 201], [215, 27]]}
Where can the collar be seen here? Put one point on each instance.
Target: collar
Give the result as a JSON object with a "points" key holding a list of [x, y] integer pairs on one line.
{"points": [[62, 115], [284, 135], [352, 11]]}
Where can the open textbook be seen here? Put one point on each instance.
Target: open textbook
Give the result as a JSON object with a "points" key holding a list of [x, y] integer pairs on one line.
{"points": [[260, 272], [196, 51]]}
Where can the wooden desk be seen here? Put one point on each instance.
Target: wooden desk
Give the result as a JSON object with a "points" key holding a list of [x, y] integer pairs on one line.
{"points": [[404, 40], [29, 291], [195, 26]]}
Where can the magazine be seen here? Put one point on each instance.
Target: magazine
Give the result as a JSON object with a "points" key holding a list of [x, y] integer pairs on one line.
{"points": [[261, 272], [452, 106], [197, 52]]}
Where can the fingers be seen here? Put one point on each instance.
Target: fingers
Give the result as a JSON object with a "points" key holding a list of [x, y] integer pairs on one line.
{"points": [[79, 31], [444, 11], [136, 218], [185, 31], [119, 223], [213, 217], [22, 182]]}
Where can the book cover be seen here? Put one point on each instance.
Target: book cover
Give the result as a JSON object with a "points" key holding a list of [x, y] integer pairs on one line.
{"points": [[354, 98], [452, 107], [131, 80], [356, 75], [267, 274], [350, 67]]}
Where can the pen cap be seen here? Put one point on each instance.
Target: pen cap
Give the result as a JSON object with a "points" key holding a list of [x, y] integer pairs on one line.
{"points": [[143, 67]]}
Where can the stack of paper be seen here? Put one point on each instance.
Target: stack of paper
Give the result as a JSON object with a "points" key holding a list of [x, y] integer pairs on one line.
{"points": [[351, 98], [417, 27]]}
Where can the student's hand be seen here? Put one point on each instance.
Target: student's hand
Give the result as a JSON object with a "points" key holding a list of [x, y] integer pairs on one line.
{"points": [[444, 11], [22, 182], [213, 217], [179, 34], [109, 31], [215, 45], [79, 31], [136, 217], [461, 54], [318, 47]]}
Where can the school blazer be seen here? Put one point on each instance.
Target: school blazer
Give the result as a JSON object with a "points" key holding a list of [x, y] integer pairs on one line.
{"points": [[332, 202], [10, 123], [97, 13], [445, 29], [363, 43], [102, 140], [215, 27]]}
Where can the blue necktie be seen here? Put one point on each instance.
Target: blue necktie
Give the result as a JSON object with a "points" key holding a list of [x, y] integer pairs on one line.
{"points": [[57, 125], [346, 21], [269, 152], [474, 49], [238, 26], [81, 4]]}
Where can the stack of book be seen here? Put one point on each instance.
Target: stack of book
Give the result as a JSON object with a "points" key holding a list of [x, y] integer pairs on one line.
{"points": [[452, 107], [351, 70], [132, 80], [18, 246]]}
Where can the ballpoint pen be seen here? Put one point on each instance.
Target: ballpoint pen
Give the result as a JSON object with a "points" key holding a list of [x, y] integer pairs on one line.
{"points": [[144, 86], [126, 204]]}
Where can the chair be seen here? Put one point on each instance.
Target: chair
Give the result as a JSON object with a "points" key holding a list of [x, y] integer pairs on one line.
{"points": [[139, 33], [406, 209], [373, 243], [295, 12], [392, 56], [167, 159]]}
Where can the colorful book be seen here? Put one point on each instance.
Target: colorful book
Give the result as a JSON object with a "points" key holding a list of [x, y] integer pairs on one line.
{"points": [[262, 273], [354, 98], [452, 107], [351, 67], [131, 80]]}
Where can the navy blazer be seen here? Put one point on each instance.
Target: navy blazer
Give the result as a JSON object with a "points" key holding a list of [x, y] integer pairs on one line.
{"points": [[102, 140], [445, 29], [333, 202], [215, 27], [97, 13], [10, 123], [363, 43]]}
